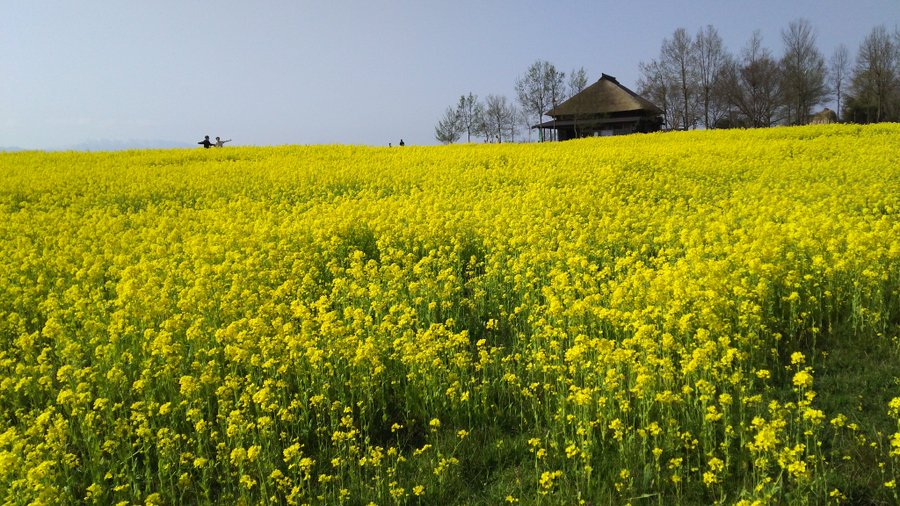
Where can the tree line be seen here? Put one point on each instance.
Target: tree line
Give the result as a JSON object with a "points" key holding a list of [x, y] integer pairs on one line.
{"points": [[496, 119], [698, 82]]}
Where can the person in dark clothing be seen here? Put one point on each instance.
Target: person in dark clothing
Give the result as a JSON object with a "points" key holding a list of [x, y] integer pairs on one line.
{"points": [[402, 143], [206, 143]]}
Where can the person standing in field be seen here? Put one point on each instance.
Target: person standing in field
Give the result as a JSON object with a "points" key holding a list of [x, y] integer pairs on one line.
{"points": [[220, 142], [206, 143], [402, 143]]}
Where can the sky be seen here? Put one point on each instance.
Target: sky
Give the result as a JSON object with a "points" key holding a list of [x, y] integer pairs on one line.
{"points": [[127, 73]]}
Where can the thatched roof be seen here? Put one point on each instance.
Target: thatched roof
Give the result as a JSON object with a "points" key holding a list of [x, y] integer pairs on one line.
{"points": [[606, 96], [824, 116]]}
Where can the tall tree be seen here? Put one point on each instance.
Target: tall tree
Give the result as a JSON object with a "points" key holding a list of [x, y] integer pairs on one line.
{"points": [[577, 82], [803, 72], [677, 58], [556, 84], [539, 89], [448, 129], [511, 121], [711, 57], [468, 110], [656, 87], [752, 85], [838, 68], [874, 86], [499, 118], [523, 119]]}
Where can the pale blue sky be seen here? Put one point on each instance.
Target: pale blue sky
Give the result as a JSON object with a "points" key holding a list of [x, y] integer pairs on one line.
{"points": [[350, 72]]}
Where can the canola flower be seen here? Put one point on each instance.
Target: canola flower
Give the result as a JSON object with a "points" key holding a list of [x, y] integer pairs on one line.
{"points": [[623, 318]]}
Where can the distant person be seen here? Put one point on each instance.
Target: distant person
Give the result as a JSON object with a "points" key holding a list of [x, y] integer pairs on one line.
{"points": [[220, 142], [402, 143], [206, 143]]}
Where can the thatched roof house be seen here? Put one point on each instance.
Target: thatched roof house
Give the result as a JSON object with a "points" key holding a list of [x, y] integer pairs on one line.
{"points": [[603, 108], [823, 117]]}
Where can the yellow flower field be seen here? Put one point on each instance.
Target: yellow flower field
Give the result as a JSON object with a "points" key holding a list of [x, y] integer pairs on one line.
{"points": [[645, 319]]}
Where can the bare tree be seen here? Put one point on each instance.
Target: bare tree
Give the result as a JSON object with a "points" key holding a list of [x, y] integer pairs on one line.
{"points": [[677, 58], [752, 85], [499, 118], [523, 119], [803, 72], [511, 122], [448, 129], [556, 84], [468, 109], [838, 68], [874, 86], [711, 58], [483, 129], [655, 86], [539, 90], [577, 82]]}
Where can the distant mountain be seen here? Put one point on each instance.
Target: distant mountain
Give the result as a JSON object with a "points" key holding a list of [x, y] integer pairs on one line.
{"points": [[10, 149], [121, 145]]}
